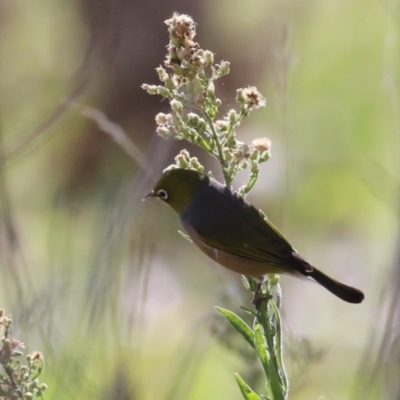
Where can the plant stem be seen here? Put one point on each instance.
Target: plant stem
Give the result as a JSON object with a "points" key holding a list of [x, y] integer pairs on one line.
{"points": [[227, 177]]}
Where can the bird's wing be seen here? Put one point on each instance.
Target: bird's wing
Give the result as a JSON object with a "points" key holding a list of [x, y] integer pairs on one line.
{"points": [[244, 232], [264, 245]]}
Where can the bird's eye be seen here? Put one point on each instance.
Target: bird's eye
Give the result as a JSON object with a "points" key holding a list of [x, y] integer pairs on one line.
{"points": [[162, 194]]}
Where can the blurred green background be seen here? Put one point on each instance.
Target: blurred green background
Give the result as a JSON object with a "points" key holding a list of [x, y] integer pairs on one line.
{"points": [[101, 283]]}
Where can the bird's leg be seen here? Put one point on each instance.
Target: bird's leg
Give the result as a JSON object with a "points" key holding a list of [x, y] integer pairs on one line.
{"points": [[257, 301], [259, 297], [257, 291]]}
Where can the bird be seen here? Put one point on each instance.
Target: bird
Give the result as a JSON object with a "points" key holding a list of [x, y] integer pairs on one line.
{"points": [[234, 233]]}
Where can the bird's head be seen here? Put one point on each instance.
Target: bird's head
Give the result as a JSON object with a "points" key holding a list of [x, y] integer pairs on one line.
{"points": [[178, 188]]}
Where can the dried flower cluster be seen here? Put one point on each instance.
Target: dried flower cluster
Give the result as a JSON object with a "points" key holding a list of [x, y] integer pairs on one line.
{"points": [[18, 381], [188, 78]]}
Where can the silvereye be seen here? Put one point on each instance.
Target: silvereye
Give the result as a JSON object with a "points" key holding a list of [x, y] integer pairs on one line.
{"points": [[232, 232]]}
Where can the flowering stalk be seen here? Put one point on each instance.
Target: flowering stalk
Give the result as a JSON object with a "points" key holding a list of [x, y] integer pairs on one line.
{"points": [[18, 381], [188, 81], [188, 76]]}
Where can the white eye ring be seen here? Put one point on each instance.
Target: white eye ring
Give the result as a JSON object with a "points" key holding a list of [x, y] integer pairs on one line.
{"points": [[162, 194]]}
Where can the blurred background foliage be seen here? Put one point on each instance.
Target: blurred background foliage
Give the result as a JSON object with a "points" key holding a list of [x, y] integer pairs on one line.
{"points": [[102, 284]]}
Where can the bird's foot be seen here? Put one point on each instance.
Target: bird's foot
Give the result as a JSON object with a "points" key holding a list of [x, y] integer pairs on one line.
{"points": [[258, 300]]}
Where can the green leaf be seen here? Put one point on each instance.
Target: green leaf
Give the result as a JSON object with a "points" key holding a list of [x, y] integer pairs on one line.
{"points": [[260, 346], [274, 385], [238, 324], [246, 282], [253, 284], [248, 311], [278, 346], [246, 390]]}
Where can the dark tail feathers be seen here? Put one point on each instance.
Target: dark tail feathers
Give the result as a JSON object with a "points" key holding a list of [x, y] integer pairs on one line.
{"points": [[346, 293]]}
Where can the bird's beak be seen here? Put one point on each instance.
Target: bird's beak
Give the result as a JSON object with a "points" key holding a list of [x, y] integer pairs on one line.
{"points": [[149, 196]]}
